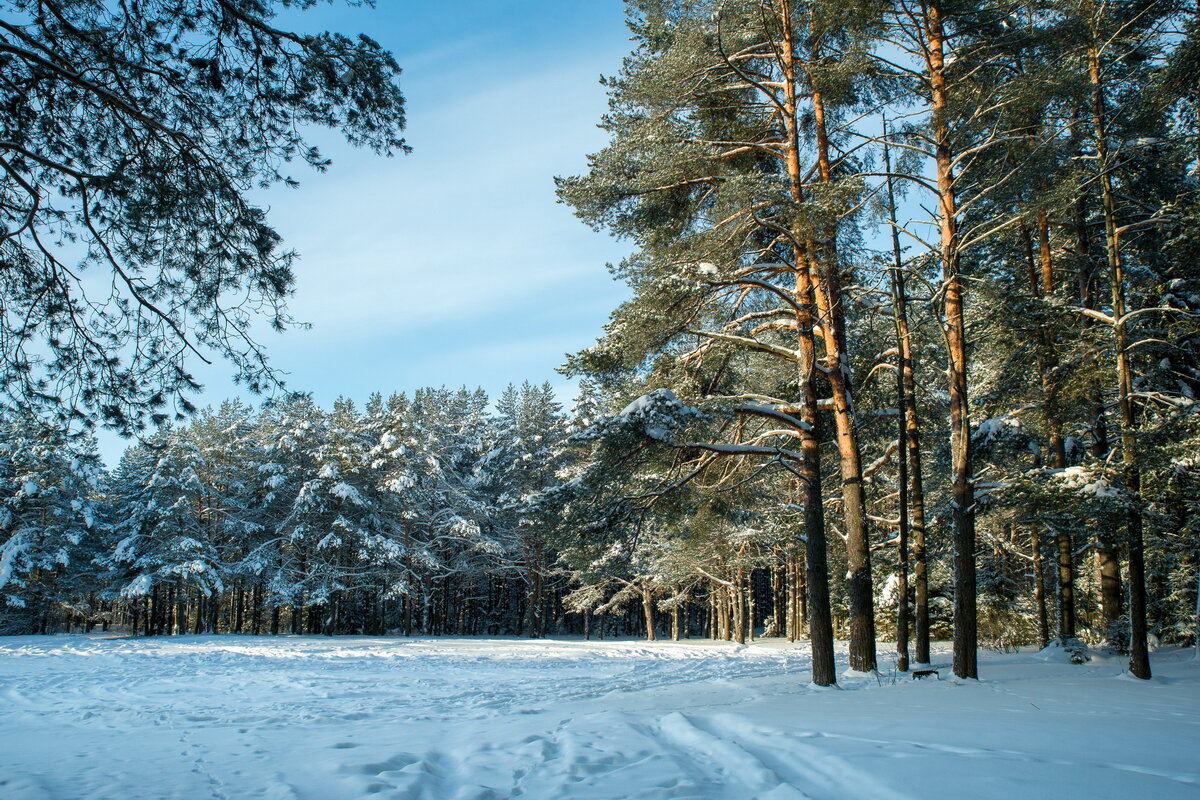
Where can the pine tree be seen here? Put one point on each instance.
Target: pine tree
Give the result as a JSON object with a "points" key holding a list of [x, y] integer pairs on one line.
{"points": [[50, 522], [131, 136]]}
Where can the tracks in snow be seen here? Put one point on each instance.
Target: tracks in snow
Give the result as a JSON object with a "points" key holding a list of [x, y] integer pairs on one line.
{"points": [[714, 757]]}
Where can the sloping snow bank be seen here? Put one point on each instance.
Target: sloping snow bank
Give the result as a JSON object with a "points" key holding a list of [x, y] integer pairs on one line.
{"points": [[233, 717]]}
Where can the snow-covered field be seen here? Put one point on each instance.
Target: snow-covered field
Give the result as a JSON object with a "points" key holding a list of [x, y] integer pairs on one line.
{"points": [[301, 717]]}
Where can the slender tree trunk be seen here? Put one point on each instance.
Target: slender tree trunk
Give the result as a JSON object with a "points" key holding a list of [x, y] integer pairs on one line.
{"points": [[1066, 587], [1108, 562], [820, 626], [1039, 588], [820, 616], [1108, 566], [1139, 653], [1044, 288], [737, 601], [152, 612], [899, 317], [256, 610], [916, 496], [214, 612], [751, 607], [828, 292], [779, 592], [801, 570], [962, 489], [201, 604], [648, 612], [793, 610], [533, 600]]}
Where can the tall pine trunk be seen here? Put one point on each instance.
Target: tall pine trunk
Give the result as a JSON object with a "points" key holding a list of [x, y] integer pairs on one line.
{"points": [[903, 378], [820, 617], [962, 490], [830, 300], [1139, 653], [1039, 588]]}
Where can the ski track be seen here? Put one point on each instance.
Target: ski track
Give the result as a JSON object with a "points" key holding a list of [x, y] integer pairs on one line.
{"points": [[300, 718]]}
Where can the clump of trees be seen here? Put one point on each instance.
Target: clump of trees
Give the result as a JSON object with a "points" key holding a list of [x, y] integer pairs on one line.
{"points": [[920, 275], [408, 515], [131, 137]]}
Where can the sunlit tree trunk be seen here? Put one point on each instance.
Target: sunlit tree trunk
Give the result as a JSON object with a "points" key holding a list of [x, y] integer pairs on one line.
{"points": [[961, 486], [1139, 654], [899, 315]]}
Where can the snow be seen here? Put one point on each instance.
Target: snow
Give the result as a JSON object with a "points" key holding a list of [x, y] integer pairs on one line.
{"points": [[996, 428], [647, 402], [328, 718], [139, 586], [1086, 482], [660, 405], [344, 491]]}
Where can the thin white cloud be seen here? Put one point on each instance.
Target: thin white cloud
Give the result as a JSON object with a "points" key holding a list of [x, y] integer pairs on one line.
{"points": [[466, 222]]}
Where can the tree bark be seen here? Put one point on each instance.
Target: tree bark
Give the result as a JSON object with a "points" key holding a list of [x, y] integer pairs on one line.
{"points": [[1066, 587], [1139, 652], [962, 489], [828, 291], [899, 316], [648, 611], [1039, 588], [820, 624]]}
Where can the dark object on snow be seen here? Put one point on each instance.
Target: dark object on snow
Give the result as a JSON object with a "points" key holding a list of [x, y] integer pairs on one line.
{"points": [[917, 674]]}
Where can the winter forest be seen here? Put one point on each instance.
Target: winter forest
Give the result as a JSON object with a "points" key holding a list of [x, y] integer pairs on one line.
{"points": [[906, 373]]}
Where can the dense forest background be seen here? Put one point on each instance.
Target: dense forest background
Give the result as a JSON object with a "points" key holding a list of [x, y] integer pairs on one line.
{"points": [[912, 352]]}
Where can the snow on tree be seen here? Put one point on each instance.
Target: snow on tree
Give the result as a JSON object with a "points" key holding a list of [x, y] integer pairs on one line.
{"points": [[51, 522]]}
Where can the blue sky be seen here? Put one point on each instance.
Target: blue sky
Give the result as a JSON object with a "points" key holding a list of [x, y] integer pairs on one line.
{"points": [[452, 265]]}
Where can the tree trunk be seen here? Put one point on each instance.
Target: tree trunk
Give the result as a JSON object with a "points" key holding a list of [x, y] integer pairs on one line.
{"points": [[751, 606], [1108, 562], [256, 610], [1066, 588], [534, 623], [201, 604], [1044, 288], [1139, 652], [648, 612], [828, 293], [737, 603], [962, 489], [239, 600], [1039, 588], [779, 593], [899, 315], [820, 626]]}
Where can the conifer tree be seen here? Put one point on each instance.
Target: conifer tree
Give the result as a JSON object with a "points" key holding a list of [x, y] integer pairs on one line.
{"points": [[131, 137], [51, 524]]}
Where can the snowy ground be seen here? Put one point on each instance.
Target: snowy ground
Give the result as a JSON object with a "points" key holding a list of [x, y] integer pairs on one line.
{"points": [[314, 718]]}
